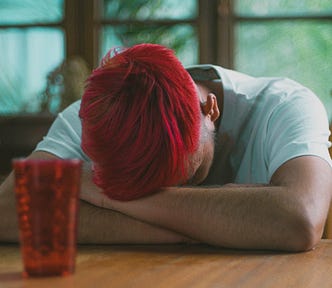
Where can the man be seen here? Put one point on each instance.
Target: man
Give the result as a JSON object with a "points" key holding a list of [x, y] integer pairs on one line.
{"points": [[229, 160]]}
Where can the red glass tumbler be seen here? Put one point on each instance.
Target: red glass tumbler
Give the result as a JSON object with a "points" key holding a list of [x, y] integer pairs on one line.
{"points": [[47, 195]]}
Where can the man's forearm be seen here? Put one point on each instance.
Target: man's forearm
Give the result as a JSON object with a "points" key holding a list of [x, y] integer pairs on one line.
{"points": [[96, 225], [8, 216], [104, 226], [229, 217], [289, 214]]}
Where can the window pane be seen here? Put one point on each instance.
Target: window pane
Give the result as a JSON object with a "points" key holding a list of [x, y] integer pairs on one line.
{"points": [[30, 11], [147, 9], [283, 7], [27, 56], [181, 38], [299, 50]]}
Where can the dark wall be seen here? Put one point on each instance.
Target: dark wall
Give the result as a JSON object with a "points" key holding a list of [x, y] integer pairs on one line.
{"points": [[19, 136]]}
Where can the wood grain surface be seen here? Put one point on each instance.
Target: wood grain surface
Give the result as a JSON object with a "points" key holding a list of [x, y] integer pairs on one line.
{"points": [[175, 266]]}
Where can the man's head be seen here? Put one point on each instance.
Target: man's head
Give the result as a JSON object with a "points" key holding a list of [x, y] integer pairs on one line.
{"points": [[141, 122]]}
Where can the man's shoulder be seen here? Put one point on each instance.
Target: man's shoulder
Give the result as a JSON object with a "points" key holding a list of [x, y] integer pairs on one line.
{"points": [[72, 108]]}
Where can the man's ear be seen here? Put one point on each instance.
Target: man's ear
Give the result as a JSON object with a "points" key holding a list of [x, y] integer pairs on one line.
{"points": [[210, 107]]}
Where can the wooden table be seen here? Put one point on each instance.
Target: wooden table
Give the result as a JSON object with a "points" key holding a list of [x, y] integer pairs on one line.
{"points": [[180, 266]]}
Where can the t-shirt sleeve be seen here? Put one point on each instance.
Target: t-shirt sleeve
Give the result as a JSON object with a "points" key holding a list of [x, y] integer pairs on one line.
{"points": [[64, 137], [296, 128]]}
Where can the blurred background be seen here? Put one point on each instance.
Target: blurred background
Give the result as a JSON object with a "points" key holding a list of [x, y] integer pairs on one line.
{"points": [[48, 47], [259, 37]]}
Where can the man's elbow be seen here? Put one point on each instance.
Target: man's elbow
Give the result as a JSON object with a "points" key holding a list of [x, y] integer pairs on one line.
{"points": [[305, 234]]}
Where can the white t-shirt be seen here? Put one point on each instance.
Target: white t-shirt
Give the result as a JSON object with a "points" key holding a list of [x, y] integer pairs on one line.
{"points": [[265, 122]]}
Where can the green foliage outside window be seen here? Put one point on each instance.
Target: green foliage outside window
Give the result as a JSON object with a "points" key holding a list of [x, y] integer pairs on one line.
{"points": [[28, 52], [298, 49], [138, 22]]}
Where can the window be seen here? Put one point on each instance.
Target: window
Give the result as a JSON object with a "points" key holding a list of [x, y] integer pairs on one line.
{"points": [[32, 44], [286, 38], [258, 37], [167, 22]]}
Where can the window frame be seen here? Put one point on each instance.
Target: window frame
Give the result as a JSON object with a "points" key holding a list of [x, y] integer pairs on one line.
{"points": [[83, 22], [216, 22]]}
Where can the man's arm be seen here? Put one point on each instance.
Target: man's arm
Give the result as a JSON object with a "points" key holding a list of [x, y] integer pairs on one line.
{"points": [[96, 225], [288, 215]]}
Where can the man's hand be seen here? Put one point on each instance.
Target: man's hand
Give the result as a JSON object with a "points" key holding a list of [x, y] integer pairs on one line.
{"points": [[90, 192]]}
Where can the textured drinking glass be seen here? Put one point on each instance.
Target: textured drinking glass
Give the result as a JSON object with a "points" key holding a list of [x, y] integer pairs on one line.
{"points": [[47, 193]]}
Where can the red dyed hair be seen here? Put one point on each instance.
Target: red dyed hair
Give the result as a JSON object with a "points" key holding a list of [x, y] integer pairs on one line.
{"points": [[140, 121]]}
